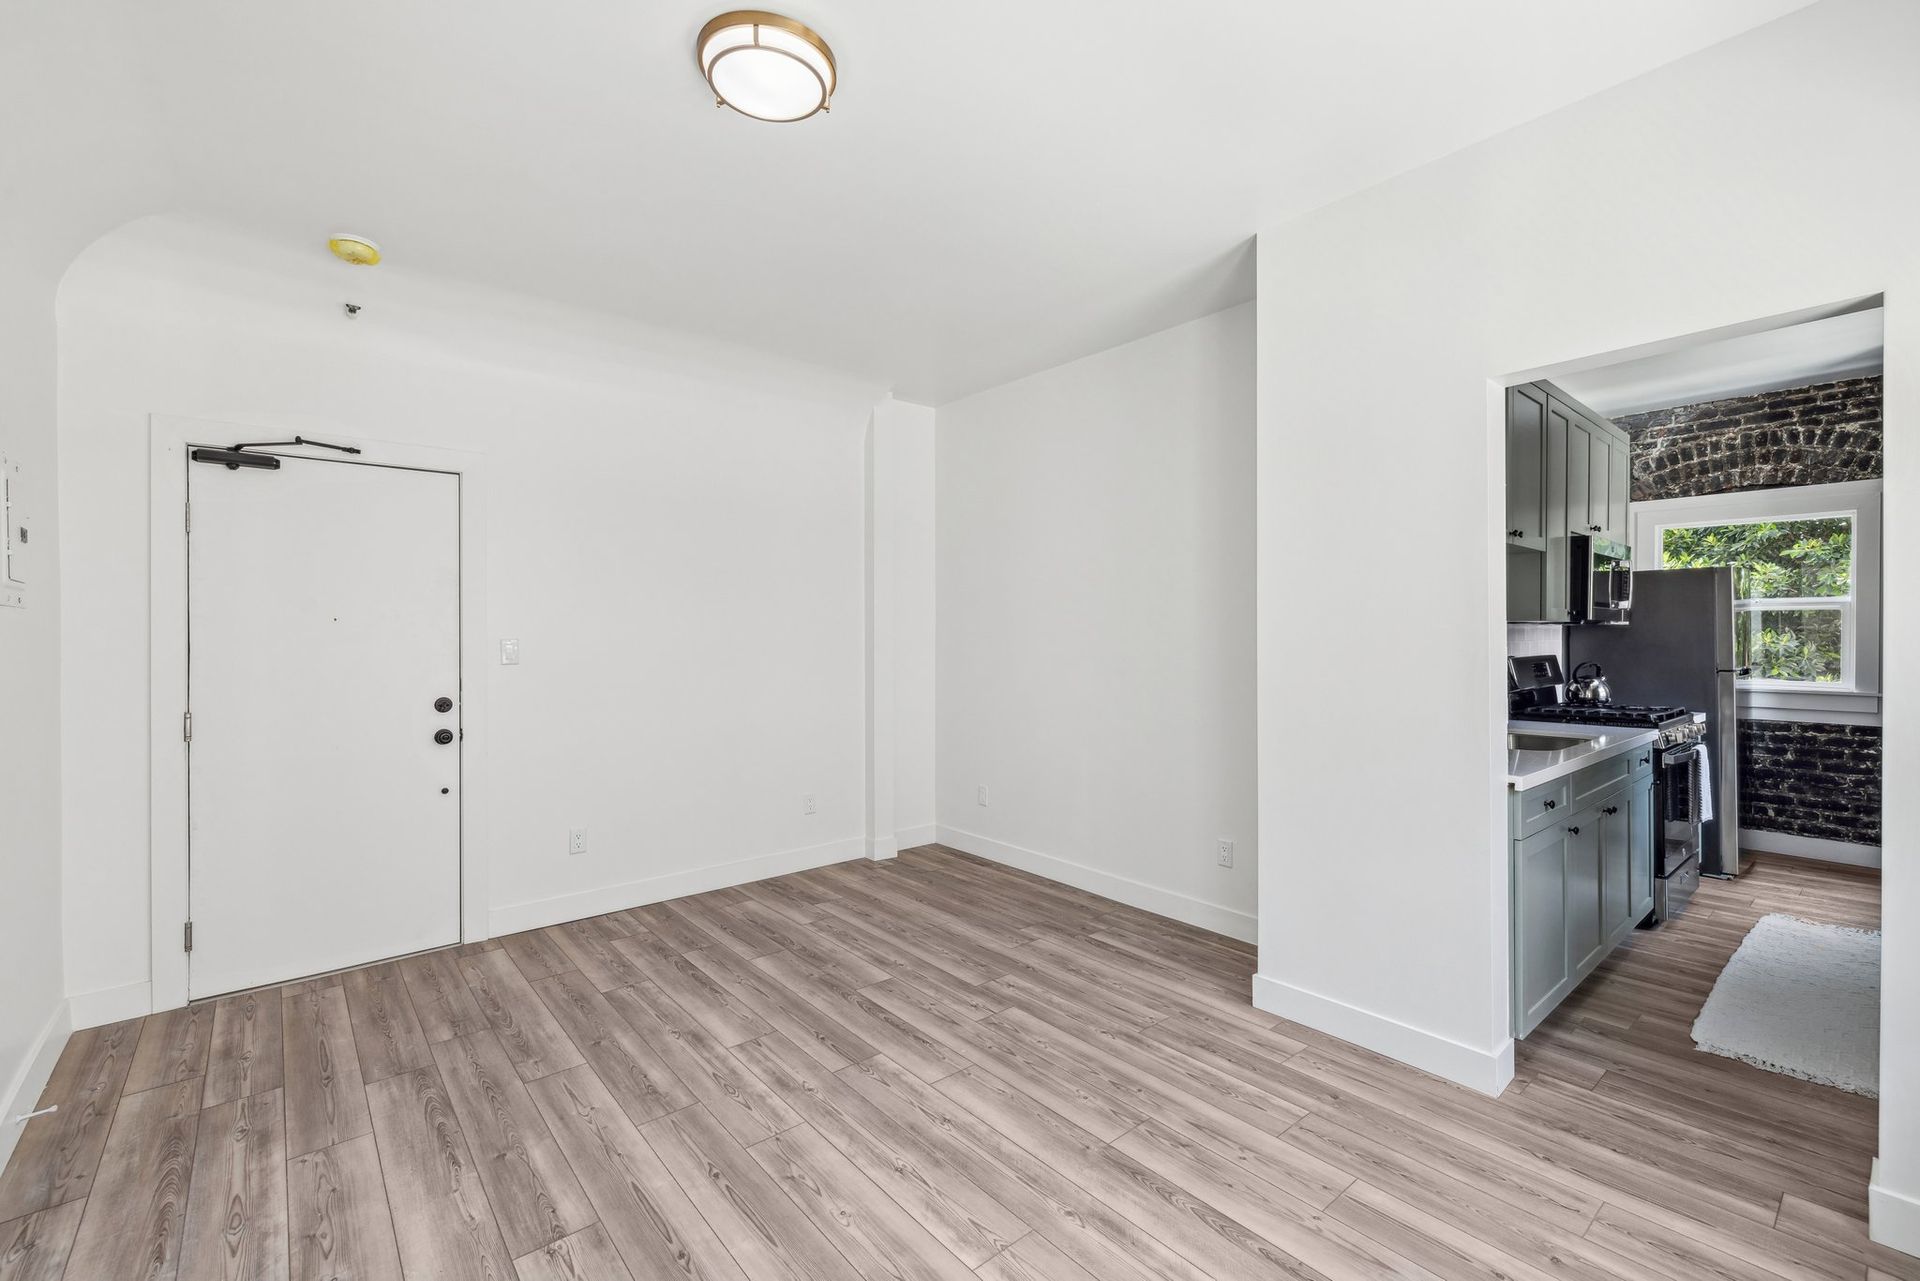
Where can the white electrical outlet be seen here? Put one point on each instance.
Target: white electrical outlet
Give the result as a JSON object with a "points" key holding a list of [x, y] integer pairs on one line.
{"points": [[981, 795], [577, 841], [509, 653], [806, 803], [1223, 853]]}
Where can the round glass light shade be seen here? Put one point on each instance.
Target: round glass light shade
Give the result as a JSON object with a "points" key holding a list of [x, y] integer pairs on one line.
{"points": [[766, 66]]}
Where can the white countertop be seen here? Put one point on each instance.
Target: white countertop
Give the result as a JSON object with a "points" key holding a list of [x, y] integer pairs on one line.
{"points": [[1530, 769]]}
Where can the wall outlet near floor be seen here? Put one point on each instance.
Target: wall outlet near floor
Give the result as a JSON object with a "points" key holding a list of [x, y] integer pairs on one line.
{"points": [[1223, 853], [981, 795], [806, 803], [577, 840]]}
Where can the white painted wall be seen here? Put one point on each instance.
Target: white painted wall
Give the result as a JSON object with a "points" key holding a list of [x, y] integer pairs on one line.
{"points": [[1386, 321], [907, 431], [73, 164], [676, 541], [1095, 600]]}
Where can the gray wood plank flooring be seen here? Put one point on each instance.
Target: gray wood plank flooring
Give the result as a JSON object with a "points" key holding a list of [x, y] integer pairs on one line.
{"points": [[930, 1069]]}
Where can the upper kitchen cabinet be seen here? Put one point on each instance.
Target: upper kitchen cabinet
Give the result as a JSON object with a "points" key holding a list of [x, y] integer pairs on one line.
{"points": [[1526, 468], [1568, 472]]}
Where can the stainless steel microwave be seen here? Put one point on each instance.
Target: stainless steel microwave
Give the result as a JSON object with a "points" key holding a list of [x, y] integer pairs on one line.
{"points": [[1600, 581]]}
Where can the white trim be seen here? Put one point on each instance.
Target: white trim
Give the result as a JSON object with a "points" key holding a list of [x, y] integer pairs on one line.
{"points": [[1893, 1218], [878, 567], [536, 913], [1235, 924], [1810, 706], [1488, 1071], [1761, 842], [168, 440], [910, 837], [31, 1077], [110, 1005]]}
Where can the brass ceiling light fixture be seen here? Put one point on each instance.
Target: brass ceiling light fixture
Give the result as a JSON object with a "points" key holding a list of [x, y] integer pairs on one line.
{"points": [[766, 66], [355, 250]]}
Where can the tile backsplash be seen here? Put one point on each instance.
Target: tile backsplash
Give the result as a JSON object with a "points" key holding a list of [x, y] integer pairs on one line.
{"points": [[1537, 638]]}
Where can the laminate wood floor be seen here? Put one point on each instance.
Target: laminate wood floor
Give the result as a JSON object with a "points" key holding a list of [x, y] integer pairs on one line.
{"points": [[935, 1068]]}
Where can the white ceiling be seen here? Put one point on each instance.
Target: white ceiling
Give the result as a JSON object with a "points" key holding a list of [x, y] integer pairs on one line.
{"points": [[1848, 345], [1002, 184]]}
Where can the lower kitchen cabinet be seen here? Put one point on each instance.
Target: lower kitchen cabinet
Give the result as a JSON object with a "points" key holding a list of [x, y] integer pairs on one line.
{"points": [[1580, 884]]}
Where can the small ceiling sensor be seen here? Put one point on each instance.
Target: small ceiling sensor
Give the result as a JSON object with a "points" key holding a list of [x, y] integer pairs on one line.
{"points": [[357, 250], [766, 66]]}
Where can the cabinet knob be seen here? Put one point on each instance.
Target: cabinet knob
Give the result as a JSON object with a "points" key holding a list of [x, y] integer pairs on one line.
{"points": [[1611, 809], [1593, 529], [1574, 830], [1516, 533], [1551, 804]]}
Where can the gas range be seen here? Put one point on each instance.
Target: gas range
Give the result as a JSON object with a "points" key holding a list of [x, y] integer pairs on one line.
{"points": [[1676, 724]]}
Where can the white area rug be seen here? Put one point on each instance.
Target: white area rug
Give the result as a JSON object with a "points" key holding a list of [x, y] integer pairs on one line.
{"points": [[1800, 999]]}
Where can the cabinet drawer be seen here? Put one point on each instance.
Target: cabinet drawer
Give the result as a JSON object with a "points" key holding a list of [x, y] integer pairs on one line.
{"points": [[1539, 806], [1596, 781]]}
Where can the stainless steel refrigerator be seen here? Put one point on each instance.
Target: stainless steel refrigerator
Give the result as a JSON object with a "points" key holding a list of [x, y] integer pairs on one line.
{"points": [[1677, 650]]}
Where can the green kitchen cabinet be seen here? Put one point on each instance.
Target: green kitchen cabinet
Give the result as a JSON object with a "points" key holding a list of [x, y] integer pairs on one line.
{"points": [[1640, 860], [1569, 473], [1582, 877]]}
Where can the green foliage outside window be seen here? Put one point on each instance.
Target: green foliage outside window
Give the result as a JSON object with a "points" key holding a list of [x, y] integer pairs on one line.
{"points": [[1807, 562]]}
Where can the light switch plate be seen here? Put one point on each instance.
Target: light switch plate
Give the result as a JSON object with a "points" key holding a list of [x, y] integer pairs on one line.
{"points": [[15, 534], [509, 653]]}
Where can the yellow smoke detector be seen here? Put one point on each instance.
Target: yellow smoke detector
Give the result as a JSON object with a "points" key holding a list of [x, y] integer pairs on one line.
{"points": [[357, 250]]}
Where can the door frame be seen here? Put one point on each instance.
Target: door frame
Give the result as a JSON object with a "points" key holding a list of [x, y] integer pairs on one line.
{"points": [[169, 439]]}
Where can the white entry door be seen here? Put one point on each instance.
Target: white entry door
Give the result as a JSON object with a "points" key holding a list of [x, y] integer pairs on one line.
{"points": [[323, 685]]}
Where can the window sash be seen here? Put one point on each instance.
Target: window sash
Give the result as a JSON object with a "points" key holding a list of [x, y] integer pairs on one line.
{"points": [[1832, 604], [1853, 544]]}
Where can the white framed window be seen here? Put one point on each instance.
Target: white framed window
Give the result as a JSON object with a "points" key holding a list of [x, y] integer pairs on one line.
{"points": [[1806, 564]]}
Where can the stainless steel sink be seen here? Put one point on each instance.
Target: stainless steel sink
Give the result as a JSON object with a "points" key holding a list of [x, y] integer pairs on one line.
{"points": [[1542, 742]]}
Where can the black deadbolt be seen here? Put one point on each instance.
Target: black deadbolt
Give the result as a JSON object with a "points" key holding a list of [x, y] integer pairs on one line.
{"points": [[443, 736], [443, 704]]}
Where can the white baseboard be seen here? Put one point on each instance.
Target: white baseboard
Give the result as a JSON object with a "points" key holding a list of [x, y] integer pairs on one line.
{"points": [[1810, 847], [111, 1004], [1148, 898], [1893, 1218], [912, 837], [1488, 1071], [30, 1078], [613, 898], [881, 848]]}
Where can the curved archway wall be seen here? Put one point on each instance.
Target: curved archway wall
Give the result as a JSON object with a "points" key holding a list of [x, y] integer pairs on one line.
{"points": [[1678, 204], [75, 163]]}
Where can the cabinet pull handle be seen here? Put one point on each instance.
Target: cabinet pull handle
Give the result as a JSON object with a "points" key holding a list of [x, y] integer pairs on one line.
{"points": [[1551, 804], [1593, 529], [1574, 830], [1645, 759], [1516, 533]]}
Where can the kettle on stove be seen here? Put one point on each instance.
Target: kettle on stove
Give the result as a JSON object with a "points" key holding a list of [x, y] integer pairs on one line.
{"points": [[1589, 691]]}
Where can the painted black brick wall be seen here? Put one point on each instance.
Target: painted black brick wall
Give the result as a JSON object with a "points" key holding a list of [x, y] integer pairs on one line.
{"points": [[1801, 436], [1802, 779], [1811, 780]]}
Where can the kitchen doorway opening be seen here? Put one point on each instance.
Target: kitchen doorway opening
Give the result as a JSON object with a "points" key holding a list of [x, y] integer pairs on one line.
{"points": [[1691, 539]]}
